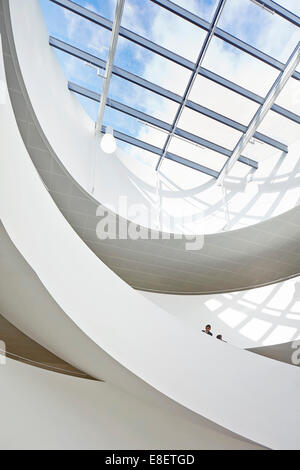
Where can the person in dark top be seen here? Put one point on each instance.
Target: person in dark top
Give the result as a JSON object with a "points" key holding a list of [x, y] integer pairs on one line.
{"points": [[220, 337], [207, 330]]}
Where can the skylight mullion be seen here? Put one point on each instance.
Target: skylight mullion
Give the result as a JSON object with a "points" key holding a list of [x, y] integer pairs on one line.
{"points": [[126, 33], [120, 107], [190, 164], [136, 142], [157, 151], [226, 37], [195, 19], [124, 74], [153, 47], [253, 51], [234, 125], [281, 11], [194, 139], [262, 111], [196, 70]]}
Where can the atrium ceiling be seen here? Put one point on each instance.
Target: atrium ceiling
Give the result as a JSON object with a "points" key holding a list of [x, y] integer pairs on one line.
{"points": [[242, 47]]}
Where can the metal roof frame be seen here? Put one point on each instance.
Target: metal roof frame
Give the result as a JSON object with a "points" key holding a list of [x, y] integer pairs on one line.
{"points": [[110, 62], [169, 156], [262, 111], [159, 124], [183, 101], [162, 51], [271, 5], [131, 77], [192, 79], [165, 93]]}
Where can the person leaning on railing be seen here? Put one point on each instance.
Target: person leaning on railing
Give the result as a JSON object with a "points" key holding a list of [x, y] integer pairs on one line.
{"points": [[207, 330]]}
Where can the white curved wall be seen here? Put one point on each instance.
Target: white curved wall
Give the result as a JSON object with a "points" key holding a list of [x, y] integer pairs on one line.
{"points": [[234, 388], [79, 414], [188, 194], [56, 331]]}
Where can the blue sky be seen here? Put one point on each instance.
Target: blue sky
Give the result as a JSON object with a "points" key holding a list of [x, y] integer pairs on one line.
{"points": [[240, 17]]}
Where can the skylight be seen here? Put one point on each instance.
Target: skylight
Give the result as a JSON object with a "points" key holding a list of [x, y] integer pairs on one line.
{"points": [[158, 46]]}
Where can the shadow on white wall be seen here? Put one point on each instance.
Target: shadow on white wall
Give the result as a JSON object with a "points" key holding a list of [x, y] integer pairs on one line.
{"points": [[258, 317]]}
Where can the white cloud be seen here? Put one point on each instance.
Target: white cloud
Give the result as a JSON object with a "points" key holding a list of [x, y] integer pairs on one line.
{"points": [[87, 34]]}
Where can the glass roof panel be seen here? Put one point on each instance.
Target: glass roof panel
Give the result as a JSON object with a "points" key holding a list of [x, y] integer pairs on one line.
{"points": [[259, 151], [208, 129], [144, 100], [203, 156], [151, 66], [258, 27], [203, 8], [239, 67], [77, 71], [77, 31], [124, 123], [149, 20], [289, 97], [223, 101], [131, 126], [120, 90], [291, 5], [239, 171], [280, 128], [104, 8], [131, 151]]}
